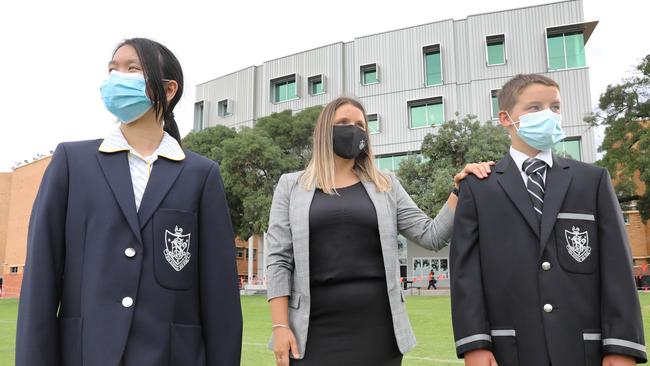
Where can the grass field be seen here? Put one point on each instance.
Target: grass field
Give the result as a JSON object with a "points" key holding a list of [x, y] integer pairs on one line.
{"points": [[430, 317]]}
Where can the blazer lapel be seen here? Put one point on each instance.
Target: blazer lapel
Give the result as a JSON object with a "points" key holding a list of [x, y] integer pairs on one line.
{"points": [[558, 180], [115, 167], [163, 176], [509, 177]]}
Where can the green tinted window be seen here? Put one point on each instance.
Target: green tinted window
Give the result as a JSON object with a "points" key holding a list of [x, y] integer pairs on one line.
{"points": [[317, 87], [496, 53], [575, 50], [370, 76], [285, 91], [495, 107], [566, 51], [570, 148], [556, 57], [419, 116], [373, 124], [426, 115], [434, 68]]}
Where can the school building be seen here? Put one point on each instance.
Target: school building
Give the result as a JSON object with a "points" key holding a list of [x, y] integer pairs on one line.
{"points": [[411, 80]]}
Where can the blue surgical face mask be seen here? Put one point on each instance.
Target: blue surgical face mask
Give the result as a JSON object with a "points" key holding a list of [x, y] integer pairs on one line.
{"points": [[540, 130], [125, 95]]}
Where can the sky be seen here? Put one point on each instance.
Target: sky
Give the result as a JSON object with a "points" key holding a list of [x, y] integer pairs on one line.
{"points": [[55, 53]]}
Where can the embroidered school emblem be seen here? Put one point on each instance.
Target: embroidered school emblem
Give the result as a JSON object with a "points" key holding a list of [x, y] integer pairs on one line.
{"points": [[177, 248], [577, 244]]}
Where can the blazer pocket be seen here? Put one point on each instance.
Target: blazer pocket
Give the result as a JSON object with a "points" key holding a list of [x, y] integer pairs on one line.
{"points": [[186, 346], [294, 300], [504, 341], [576, 235], [176, 249], [593, 346], [70, 334]]}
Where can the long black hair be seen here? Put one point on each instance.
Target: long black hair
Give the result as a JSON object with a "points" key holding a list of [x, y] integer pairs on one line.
{"points": [[158, 64]]}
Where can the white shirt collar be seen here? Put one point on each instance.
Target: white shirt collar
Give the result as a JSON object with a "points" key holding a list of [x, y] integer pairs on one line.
{"points": [[519, 157], [168, 148]]}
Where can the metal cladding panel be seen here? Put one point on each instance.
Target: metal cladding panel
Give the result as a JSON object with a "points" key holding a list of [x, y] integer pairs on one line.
{"points": [[525, 37], [400, 59], [238, 88], [326, 61]]}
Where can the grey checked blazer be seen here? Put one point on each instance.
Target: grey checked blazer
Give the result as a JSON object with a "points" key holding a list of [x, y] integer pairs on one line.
{"points": [[288, 249]]}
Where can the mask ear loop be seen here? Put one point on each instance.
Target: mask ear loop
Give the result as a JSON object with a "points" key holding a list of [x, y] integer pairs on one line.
{"points": [[513, 123]]}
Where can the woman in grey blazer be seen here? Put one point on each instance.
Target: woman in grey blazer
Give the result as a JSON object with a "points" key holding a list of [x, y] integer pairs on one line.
{"points": [[333, 268]]}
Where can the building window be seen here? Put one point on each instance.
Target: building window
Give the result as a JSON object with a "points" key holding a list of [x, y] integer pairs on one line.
{"points": [[565, 47], [373, 123], [316, 85], [198, 116], [432, 65], [422, 267], [495, 49], [240, 252], [13, 269], [626, 218], [426, 112], [225, 108], [369, 74], [254, 254], [390, 163], [569, 148], [284, 89], [495, 103]]}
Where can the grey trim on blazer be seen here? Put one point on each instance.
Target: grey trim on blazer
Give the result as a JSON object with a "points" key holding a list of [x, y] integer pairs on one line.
{"points": [[288, 249]]}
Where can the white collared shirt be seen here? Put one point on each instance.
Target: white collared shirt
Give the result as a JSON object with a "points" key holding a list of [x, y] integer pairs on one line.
{"points": [[520, 157], [141, 166]]}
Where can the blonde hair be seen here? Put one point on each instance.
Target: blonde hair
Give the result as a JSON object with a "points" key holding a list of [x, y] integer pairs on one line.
{"points": [[511, 90], [320, 170]]}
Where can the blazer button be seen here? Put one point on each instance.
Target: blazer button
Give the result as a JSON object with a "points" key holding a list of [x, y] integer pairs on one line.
{"points": [[129, 252], [548, 308], [546, 266], [127, 302]]}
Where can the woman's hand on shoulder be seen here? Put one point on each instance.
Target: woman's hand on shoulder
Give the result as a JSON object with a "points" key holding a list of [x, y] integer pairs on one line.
{"points": [[480, 170]]}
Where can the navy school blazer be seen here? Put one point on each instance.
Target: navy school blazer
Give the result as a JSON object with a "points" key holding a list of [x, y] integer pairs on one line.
{"points": [[105, 284]]}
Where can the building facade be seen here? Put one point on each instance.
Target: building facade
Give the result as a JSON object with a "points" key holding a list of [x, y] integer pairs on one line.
{"points": [[17, 194], [412, 80]]}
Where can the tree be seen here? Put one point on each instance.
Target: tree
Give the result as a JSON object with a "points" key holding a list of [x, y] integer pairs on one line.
{"points": [[209, 142], [624, 111], [429, 177], [253, 160]]}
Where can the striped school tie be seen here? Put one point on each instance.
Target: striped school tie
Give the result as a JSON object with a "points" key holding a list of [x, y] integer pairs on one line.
{"points": [[535, 169]]}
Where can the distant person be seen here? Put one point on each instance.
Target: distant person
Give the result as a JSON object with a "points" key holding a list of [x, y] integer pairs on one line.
{"points": [[432, 281], [333, 268], [131, 253], [541, 271]]}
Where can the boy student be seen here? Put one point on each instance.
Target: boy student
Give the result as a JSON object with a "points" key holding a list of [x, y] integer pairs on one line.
{"points": [[541, 270]]}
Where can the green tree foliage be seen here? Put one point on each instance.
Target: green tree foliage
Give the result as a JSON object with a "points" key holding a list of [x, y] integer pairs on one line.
{"points": [[429, 177], [253, 159], [624, 111]]}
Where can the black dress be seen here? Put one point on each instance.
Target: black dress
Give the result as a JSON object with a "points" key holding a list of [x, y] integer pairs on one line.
{"points": [[350, 321]]}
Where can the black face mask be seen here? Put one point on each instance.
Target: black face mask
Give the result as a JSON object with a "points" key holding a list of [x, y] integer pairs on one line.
{"points": [[349, 141]]}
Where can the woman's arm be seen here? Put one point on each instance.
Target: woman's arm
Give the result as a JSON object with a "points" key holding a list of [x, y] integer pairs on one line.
{"points": [[432, 234], [279, 270]]}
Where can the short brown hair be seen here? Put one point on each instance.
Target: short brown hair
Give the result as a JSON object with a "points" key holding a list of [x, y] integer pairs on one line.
{"points": [[508, 94]]}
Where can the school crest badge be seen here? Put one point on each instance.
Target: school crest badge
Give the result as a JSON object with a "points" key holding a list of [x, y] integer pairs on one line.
{"points": [[577, 244], [177, 248]]}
